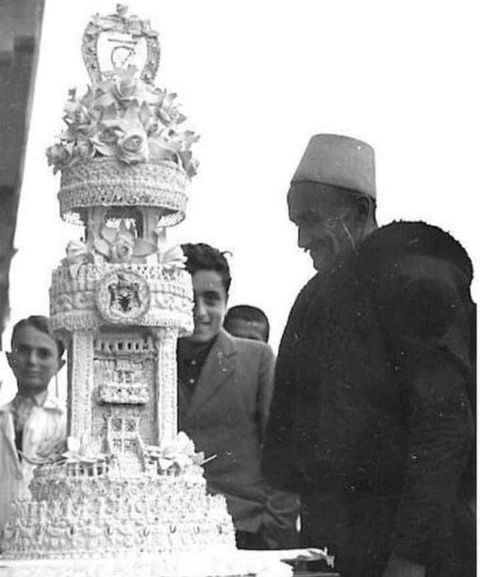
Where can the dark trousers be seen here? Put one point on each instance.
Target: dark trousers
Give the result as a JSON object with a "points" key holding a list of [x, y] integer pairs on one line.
{"points": [[266, 538], [247, 540], [359, 532], [357, 535]]}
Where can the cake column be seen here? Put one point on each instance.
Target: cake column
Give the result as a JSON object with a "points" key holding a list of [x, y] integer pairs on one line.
{"points": [[81, 384], [167, 384]]}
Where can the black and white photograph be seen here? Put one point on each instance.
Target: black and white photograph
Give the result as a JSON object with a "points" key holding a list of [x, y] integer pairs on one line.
{"points": [[238, 246]]}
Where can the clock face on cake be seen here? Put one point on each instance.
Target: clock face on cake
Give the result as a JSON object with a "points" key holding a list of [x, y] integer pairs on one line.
{"points": [[123, 296]]}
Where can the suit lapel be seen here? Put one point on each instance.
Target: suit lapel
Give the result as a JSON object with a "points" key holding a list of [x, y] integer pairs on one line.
{"points": [[215, 372]]}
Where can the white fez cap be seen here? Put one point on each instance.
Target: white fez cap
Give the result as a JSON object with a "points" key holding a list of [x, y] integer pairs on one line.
{"points": [[340, 161]]}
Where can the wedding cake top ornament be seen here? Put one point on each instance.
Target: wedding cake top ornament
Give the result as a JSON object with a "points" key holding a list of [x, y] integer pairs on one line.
{"points": [[124, 141]]}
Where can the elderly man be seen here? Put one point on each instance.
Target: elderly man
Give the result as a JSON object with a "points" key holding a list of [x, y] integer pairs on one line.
{"points": [[34, 420], [371, 420]]}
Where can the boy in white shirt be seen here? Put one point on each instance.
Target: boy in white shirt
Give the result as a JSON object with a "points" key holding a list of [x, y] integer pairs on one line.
{"points": [[34, 419]]}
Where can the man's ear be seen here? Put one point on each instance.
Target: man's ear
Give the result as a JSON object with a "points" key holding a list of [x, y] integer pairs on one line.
{"points": [[61, 363], [10, 360], [363, 207]]}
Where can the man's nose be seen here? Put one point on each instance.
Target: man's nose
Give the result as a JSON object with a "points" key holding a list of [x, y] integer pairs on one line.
{"points": [[199, 309], [304, 237], [32, 357]]}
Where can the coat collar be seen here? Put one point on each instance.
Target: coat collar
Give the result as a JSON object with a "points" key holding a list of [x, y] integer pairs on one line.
{"points": [[50, 403], [401, 238], [215, 372], [53, 403]]}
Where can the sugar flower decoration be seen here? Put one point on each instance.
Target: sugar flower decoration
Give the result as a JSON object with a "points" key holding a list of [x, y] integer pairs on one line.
{"points": [[175, 456], [71, 450], [83, 450], [171, 258], [125, 118], [77, 255], [121, 245]]}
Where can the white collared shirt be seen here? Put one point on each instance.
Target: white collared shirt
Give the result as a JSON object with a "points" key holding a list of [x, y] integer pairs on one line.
{"points": [[44, 425]]}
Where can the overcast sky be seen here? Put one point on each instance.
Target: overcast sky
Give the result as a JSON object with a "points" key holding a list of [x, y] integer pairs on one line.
{"points": [[256, 78]]}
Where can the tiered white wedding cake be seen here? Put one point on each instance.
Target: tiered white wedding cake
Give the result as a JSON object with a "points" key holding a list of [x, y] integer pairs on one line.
{"points": [[127, 494]]}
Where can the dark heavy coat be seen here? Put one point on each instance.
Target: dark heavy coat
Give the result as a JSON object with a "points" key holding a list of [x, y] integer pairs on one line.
{"points": [[372, 418]]}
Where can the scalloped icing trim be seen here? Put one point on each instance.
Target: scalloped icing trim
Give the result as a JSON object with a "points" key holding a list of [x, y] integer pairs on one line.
{"points": [[73, 306]]}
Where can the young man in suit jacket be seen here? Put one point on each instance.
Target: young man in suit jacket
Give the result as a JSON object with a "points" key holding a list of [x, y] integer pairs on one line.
{"points": [[225, 388]]}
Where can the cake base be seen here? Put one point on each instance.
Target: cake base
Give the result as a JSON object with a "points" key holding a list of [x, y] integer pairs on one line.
{"points": [[80, 511], [208, 563]]}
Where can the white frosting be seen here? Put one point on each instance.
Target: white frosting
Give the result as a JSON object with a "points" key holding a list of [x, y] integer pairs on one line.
{"points": [[108, 182], [76, 303], [78, 510], [211, 562]]}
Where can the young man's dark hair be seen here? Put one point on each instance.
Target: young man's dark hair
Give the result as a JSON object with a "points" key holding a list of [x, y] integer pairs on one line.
{"points": [[42, 324], [247, 314], [201, 256]]}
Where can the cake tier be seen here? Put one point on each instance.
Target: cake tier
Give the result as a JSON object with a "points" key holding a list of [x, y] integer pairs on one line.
{"points": [[109, 182], [209, 563], [121, 294], [83, 511]]}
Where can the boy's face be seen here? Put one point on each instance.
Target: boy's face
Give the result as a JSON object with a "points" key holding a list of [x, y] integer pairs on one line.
{"points": [[210, 300], [34, 359]]}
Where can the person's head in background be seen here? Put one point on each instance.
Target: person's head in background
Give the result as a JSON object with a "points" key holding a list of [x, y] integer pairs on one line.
{"points": [[211, 282], [36, 355], [247, 322]]}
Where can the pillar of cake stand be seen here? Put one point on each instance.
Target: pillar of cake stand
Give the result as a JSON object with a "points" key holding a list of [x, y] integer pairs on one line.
{"points": [[166, 376], [81, 383]]}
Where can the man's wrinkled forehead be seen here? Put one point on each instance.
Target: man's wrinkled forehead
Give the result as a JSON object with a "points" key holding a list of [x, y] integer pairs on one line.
{"points": [[304, 197]]}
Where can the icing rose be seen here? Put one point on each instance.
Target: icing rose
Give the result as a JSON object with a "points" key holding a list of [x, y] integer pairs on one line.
{"points": [[120, 245], [133, 147], [123, 117], [125, 88], [121, 250], [105, 141], [57, 156], [84, 151]]}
